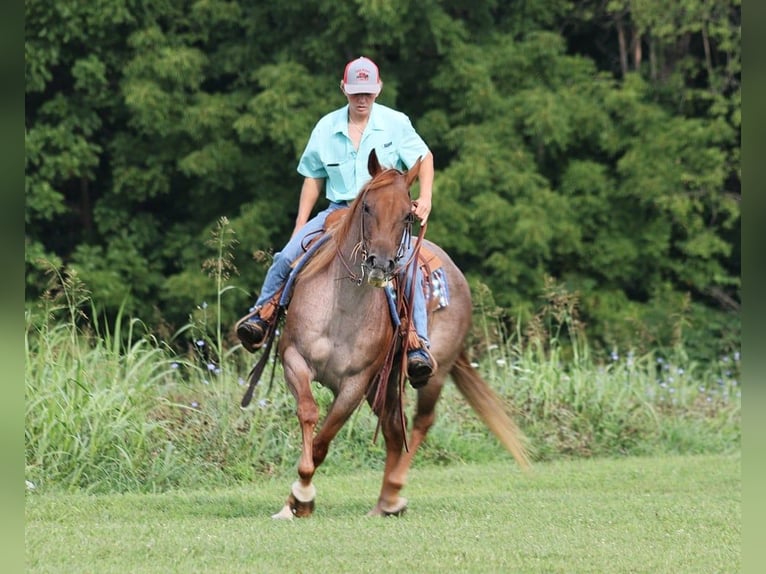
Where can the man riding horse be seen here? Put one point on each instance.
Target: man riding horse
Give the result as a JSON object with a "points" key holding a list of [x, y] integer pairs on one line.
{"points": [[335, 159]]}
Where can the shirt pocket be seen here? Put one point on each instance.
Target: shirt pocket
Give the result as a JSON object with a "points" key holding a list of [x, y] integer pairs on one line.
{"points": [[340, 175]]}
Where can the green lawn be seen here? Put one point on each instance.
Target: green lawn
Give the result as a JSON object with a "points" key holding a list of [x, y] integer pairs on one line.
{"points": [[671, 514]]}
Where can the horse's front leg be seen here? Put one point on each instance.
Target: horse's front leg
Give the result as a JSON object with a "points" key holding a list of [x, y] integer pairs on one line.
{"points": [[398, 462], [298, 376], [300, 503]]}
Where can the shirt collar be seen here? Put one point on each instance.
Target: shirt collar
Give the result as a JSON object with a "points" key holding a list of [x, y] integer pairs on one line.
{"points": [[341, 120]]}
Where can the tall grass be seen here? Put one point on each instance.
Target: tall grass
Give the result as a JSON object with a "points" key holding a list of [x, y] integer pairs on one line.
{"points": [[88, 396], [109, 407], [575, 404]]}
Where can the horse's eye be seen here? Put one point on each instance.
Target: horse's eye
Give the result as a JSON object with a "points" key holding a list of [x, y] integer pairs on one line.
{"points": [[365, 207]]}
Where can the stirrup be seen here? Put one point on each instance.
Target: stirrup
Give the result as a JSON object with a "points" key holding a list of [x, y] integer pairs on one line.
{"points": [[421, 366], [251, 330]]}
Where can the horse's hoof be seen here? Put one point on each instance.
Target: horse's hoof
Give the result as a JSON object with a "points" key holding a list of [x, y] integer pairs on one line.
{"points": [[294, 508], [397, 509], [285, 514], [299, 508], [397, 513]]}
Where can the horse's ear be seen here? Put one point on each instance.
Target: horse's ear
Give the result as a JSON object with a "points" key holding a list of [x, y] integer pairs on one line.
{"points": [[413, 172], [373, 165]]}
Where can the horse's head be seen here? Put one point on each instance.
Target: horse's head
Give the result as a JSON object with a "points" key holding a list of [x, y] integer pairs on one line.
{"points": [[386, 219]]}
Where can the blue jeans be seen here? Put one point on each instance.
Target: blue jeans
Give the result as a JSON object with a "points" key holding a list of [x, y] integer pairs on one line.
{"points": [[280, 269]]}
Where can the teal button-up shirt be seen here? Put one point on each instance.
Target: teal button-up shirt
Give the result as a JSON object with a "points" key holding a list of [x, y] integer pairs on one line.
{"points": [[330, 154]]}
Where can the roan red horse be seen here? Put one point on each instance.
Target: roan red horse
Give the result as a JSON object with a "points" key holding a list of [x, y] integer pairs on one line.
{"points": [[339, 332]]}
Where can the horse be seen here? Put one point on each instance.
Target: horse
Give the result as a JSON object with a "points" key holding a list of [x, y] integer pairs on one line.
{"points": [[339, 332]]}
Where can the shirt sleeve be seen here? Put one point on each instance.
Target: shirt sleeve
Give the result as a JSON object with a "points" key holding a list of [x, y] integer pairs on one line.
{"points": [[310, 164], [411, 145]]}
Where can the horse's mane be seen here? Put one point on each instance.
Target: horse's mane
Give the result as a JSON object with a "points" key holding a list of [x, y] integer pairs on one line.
{"points": [[340, 230]]}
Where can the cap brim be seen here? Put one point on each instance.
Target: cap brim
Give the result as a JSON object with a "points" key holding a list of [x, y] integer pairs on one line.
{"points": [[362, 88]]}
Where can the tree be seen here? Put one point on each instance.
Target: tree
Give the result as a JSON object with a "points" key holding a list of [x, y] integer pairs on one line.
{"points": [[561, 151]]}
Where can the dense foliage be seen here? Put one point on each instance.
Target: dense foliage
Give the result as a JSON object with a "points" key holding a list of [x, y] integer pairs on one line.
{"points": [[594, 142]]}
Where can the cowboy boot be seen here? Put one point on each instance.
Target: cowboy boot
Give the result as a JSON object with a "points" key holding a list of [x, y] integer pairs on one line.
{"points": [[252, 332], [253, 327], [421, 365]]}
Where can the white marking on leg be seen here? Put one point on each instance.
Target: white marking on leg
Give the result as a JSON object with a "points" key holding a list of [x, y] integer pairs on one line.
{"points": [[304, 493]]}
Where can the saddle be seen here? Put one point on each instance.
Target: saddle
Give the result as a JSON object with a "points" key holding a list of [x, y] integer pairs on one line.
{"points": [[435, 289], [434, 280]]}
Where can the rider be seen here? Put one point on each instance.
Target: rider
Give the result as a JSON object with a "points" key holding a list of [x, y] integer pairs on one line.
{"points": [[335, 160]]}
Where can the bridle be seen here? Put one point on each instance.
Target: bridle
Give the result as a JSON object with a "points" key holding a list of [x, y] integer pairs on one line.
{"points": [[361, 249]]}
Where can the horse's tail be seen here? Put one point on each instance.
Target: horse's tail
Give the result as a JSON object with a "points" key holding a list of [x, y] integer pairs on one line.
{"points": [[490, 408]]}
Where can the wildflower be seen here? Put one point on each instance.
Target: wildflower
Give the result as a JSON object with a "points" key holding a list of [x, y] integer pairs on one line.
{"points": [[615, 356], [500, 362], [194, 404], [491, 347], [474, 364], [725, 358], [241, 381], [736, 355], [200, 343], [30, 485], [263, 403], [205, 382], [680, 371], [660, 360], [204, 305], [174, 365]]}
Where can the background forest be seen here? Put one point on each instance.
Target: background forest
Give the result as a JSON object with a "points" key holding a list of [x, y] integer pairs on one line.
{"points": [[593, 144]]}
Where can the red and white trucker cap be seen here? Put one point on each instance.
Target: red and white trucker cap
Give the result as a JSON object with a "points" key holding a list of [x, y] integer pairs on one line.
{"points": [[361, 77]]}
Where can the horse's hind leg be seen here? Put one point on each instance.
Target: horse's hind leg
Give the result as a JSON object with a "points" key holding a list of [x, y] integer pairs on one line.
{"points": [[398, 461]]}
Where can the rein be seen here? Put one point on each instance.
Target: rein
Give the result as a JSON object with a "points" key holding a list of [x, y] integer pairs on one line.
{"points": [[381, 378]]}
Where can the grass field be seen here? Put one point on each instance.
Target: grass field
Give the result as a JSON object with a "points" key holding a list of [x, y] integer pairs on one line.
{"points": [[674, 514], [139, 459]]}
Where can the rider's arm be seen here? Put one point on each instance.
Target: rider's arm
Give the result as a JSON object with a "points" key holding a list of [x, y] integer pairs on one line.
{"points": [[422, 207], [310, 192]]}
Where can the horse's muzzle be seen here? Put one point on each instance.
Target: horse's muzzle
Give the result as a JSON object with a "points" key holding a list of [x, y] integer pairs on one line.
{"points": [[378, 275]]}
